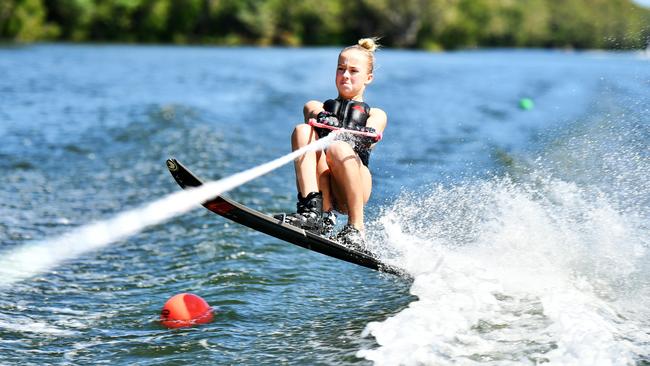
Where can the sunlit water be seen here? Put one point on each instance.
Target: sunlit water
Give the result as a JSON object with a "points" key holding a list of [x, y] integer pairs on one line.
{"points": [[25, 261], [526, 232]]}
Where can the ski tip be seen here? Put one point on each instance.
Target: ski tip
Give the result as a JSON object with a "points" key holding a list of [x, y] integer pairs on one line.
{"points": [[172, 164]]}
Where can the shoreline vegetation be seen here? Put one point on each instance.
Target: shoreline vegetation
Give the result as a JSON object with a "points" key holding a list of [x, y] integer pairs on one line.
{"points": [[414, 24]]}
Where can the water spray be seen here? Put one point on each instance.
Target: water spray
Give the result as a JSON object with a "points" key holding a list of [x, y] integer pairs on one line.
{"points": [[20, 263]]}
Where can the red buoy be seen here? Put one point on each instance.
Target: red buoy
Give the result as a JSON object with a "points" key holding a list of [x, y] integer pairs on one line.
{"points": [[184, 310]]}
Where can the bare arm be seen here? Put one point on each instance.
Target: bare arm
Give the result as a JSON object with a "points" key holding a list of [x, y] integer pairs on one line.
{"points": [[311, 109], [377, 120]]}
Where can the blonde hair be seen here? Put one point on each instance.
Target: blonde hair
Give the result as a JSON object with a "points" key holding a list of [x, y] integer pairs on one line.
{"points": [[368, 46]]}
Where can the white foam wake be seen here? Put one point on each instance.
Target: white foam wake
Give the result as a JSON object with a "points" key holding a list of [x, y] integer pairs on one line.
{"points": [[507, 274], [30, 259]]}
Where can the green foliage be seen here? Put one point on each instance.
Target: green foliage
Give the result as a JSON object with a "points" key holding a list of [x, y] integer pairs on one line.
{"points": [[24, 21], [72, 16], [429, 24], [601, 24]]}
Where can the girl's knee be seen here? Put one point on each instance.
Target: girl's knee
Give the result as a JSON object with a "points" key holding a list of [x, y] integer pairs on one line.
{"points": [[338, 151], [302, 132], [302, 128]]}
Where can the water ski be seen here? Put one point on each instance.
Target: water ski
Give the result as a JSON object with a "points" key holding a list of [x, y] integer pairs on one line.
{"points": [[268, 225]]}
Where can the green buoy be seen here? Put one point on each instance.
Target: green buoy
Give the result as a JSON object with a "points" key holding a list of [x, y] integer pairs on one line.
{"points": [[526, 104]]}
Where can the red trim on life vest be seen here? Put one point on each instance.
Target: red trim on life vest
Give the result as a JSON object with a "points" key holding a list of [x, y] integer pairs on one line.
{"points": [[359, 108]]}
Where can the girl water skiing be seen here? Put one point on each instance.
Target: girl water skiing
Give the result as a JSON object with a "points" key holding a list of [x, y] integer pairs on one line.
{"points": [[338, 178]]}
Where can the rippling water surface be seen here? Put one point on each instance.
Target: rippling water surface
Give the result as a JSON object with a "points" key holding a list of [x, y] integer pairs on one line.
{"points": [[525, 232]]}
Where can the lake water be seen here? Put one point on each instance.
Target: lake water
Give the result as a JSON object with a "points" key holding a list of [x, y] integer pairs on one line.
{"points": [[526, 232]]}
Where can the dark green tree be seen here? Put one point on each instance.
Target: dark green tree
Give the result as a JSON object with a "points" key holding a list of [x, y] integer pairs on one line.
{"points": [[25, 21], [430, 24]]}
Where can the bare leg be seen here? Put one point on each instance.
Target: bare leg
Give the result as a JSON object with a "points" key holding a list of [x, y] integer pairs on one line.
{"points": [[305, 166], [324, 179], [351, 179]]}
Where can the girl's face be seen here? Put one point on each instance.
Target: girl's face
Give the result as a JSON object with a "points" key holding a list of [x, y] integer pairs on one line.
{"points": [[352, 74]]}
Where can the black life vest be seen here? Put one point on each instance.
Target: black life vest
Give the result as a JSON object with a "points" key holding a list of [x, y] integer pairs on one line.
{"points": [[351, 113]]}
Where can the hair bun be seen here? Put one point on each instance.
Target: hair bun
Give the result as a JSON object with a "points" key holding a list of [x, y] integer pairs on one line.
{"points": [[369, 43]]}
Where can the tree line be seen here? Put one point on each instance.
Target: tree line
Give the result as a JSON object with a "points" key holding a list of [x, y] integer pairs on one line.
{"points": [[428, 24]]}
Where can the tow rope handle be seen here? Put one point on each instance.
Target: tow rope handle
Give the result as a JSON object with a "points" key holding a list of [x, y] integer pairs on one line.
{"points": [[375, 136]]}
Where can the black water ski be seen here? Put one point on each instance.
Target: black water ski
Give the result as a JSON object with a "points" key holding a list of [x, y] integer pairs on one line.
{"points": [[268, 225]]}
